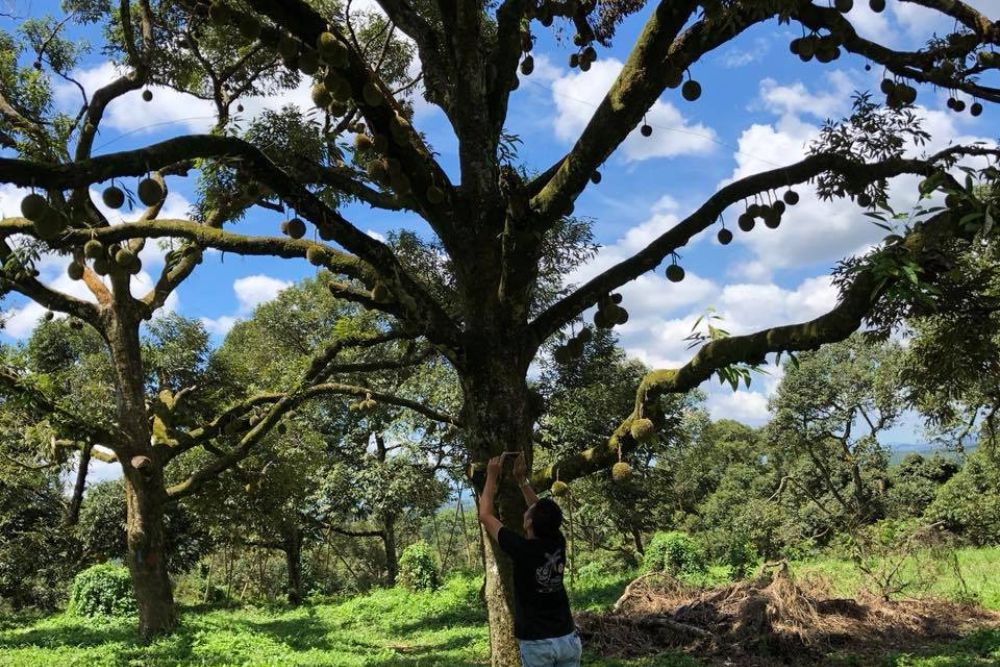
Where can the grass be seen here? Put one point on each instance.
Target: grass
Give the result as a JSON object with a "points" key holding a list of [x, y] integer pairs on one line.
{"points": [[977, 567], [399, 628]]}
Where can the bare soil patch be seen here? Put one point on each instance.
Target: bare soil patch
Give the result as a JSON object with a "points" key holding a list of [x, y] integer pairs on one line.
{"points": [[771, 619]]}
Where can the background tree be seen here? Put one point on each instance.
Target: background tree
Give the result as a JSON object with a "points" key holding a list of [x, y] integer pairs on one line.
{"points": [[493, 221]]}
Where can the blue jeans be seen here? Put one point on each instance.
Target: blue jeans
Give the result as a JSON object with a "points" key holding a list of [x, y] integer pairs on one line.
{"points": [[562, 651]]}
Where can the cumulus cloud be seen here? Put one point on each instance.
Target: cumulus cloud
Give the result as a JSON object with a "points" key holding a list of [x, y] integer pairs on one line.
{"points": [[255, 290], [577, 94]]}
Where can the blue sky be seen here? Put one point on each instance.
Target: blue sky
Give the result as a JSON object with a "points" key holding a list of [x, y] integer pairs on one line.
{"points": [[760, 107]]}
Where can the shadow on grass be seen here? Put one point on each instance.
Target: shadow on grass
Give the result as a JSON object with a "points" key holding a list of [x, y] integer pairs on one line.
{"points": [[300, 633], [597, 596], [446, 618], [74, 633]]}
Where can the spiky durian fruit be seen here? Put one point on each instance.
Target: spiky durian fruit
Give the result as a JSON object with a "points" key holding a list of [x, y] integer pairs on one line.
{"points": [[621, 471], [50, 225], [34, 206], [113, 197], [725, 236], [642, 429], [331, 49], [75, 270], [295, 228], [560, 489], [675, 273], [321, 97], [691, 90], [147, 95], [363, 142], [101, 266], [150, 192], [316, 256], [49, 315], [371, 95]]}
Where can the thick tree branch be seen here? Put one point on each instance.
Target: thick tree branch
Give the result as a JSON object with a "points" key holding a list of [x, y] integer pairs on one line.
{"points": [[857, 300], [557, 315]]}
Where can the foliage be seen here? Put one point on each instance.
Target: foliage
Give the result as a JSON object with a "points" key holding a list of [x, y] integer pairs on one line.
{"points": [[102, 590], [674, 552], [418, 569], [969, 502]]}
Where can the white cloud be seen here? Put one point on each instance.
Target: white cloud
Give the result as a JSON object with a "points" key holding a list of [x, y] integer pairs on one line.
{"points": [[255, 290], [219, 326], [735, 57], [378, 236], [577, 95], [796, 99]]}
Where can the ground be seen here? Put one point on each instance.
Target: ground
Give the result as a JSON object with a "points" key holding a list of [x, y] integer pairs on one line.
{"points": [[395, 627]]}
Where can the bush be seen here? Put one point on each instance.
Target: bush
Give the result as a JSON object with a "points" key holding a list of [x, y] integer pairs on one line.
{"points": [[102, 590], [674, 552], [418, 570]]}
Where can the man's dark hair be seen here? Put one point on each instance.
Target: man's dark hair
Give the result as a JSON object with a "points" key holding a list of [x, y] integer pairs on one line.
{"points": [[546, 518]]}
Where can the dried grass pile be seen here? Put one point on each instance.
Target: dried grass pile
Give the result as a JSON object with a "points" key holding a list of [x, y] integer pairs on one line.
{"points": [[771, 618]]}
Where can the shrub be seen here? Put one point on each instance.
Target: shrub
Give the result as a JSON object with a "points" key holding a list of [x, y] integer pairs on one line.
{"points": [[418, 569], [102, 590], [674, 552]]}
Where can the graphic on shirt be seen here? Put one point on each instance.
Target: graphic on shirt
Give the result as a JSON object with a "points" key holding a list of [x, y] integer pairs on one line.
{"points": [[549, 576]]}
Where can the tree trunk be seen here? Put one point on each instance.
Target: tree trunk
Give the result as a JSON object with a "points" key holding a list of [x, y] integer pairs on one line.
{"points": [[391, 558], [76, 500], [637, 539], [292, 546], [145, 497], [145, 491], [498, 417]]}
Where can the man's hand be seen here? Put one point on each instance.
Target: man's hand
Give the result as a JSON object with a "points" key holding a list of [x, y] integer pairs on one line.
{"points": [[520, 468], [494, 466]]}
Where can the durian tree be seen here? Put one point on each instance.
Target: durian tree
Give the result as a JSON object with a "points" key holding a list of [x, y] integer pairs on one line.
{"points": [[493, 218]]}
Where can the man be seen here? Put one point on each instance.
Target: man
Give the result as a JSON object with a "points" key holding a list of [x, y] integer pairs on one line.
{"points": [[543, 623]]}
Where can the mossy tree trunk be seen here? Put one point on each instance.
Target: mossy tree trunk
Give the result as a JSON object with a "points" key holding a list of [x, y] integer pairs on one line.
{"points": [[145, 491], [498, 416], [389, 542]]}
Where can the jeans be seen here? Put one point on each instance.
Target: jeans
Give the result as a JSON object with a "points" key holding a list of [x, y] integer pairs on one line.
{"points": [[562, 651]]}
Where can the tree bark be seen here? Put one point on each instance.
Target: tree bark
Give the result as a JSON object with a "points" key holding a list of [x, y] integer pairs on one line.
{"points": [[498, 417], [145, 491], [292, 546], [391, 558], [76, 500]]}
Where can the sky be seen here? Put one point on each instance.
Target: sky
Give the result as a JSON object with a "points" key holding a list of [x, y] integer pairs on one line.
{"points": [[760, 109]]}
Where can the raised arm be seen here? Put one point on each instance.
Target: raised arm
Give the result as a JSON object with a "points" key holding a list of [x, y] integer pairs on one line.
{"points": [[522, 477], [487, 511]]}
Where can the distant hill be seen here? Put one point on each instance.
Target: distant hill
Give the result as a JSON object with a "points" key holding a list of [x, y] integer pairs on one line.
{"points": [[901, 449]]}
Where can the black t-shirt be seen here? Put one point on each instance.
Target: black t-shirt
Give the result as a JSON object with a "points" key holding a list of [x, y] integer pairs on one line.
{"points": [[541, 606]]}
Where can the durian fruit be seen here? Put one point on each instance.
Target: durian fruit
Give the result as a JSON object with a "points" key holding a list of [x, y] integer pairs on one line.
{"points": [[309, 62], [646, 130], [75, 270], [147, 95], [560, 489], [294, 228], [585, 335], [527, 65], [772, 218], [675, 273], [864, 200], [877, 6], [791, 197], [331, 49], [976, 109], [746, 222], [379, 172], [150, 192], [595, 178], [691, 90], [50, 225], [725, 236], [101, 266], [621, 471], [642, 429], [561, 355], [371, 95], [321, 97], [34, 207], [617, 298], [574, 60], [288, 48], [339, 87], [113, 197], [49, 315], [779, 206], [575, 348], [128, 261], [315, 256]]}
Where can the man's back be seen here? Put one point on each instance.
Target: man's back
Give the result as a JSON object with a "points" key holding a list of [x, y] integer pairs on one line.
{"points": [[541, 606]]}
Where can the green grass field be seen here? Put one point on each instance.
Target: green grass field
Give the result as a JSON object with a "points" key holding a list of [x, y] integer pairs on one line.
{"points": [[396, 627]]}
